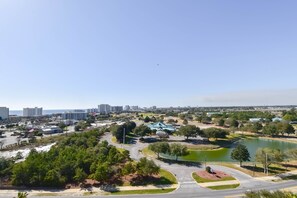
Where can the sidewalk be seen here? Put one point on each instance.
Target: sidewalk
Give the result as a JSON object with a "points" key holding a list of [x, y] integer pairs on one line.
{"points": [[218, 183], [81, 192]]}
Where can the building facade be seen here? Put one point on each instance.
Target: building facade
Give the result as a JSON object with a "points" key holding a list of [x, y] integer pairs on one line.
{"points": [[127, 108], [104, 108], [30, 112], [74, 116], [116, 109], [4, 113]]}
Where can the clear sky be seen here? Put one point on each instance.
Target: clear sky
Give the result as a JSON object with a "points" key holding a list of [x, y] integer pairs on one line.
{"points": [[78, 54]]}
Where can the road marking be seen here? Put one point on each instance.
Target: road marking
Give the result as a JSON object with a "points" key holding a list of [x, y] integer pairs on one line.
{"points": [[188, 182]]}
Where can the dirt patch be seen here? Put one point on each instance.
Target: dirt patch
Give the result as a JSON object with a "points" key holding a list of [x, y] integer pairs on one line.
{"points": [[215, 175]]}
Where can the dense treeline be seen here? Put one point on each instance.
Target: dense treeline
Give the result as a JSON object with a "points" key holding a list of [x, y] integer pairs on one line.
{"points": [[72, 160]]}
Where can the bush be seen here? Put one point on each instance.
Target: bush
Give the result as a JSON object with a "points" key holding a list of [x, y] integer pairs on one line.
{"points": [[208, 169]]}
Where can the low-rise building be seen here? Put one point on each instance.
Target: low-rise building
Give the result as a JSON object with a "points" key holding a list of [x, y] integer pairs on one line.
{"points": [[51, 129], [74, 115]]}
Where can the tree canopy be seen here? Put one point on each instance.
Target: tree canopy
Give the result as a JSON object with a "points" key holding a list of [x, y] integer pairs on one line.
{"points": [[240, 153], [189, 131]]}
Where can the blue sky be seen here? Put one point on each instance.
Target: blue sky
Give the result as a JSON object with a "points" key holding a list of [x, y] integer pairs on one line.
{"points": [[78, 54]]}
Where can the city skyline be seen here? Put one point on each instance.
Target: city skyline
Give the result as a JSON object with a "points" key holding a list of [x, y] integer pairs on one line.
{"points": [[68, 55]]}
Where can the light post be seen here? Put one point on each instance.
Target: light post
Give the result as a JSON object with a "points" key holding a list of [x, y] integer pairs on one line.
{"points": [[124, 135], [266, 166]]}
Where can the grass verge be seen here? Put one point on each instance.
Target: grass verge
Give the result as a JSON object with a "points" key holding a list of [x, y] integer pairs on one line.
{"points": [[223, 187], [148, 153], [150, 191], [46, 194], [168, 177]]}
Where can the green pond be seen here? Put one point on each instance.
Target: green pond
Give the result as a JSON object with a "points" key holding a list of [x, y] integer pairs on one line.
{"points": [[224, 154]]}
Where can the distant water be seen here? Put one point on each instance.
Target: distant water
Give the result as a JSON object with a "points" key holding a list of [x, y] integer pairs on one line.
{"points": [[44, 112]]}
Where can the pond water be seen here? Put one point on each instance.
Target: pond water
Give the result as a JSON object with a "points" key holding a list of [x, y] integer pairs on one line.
{"points": [[224, 154]]}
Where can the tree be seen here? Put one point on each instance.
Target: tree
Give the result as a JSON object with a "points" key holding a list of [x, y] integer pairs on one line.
{"points": [[147, 167], [268, 156], [189, 131], [230, 122], [118, 132], [2, 142], [128, 169], [283, 127], [62, 125], [80, 175], [142, 130], [146, 119], [159, 147], [240, 153], [268, 194], [270, 129], [214, 133], [219, 121], [129, 126], [178, 150], [170, 121], [77, 128], [103, 172], [206, 120], [185, 121]]}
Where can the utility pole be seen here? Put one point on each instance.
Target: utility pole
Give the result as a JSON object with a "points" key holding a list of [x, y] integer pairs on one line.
{"points": [[124, 135], [266, 166]]}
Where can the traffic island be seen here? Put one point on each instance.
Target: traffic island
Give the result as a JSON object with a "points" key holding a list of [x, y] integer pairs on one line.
{"points": [[215, 180]]}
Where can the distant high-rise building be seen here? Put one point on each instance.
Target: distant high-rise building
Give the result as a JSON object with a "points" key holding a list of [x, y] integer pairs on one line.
{"points": [[127, 108], [104, 108], [117, 109], [30, 112], [134, 108], [94, 110], [79, 111], [4, 113]]}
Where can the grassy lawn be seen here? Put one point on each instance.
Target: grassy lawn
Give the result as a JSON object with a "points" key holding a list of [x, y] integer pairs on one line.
{"points": [[46, 194], [121, 149], [151, 191], [167, 177], [148, 153], [223, 187], [164, 178], [114, 139], [204, 180], [202, 147], [258, 170], [290, 177]]}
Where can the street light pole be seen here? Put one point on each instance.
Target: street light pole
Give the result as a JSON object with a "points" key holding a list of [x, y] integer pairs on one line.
{"points": [[266, 163], [124, 135]]}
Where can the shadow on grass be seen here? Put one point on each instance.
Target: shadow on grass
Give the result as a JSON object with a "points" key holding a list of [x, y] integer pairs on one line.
{"points": [[274, 170], [150, 180], [185, 163]]}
